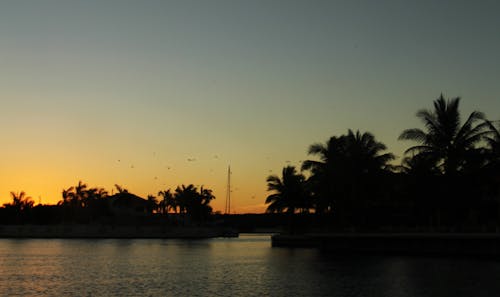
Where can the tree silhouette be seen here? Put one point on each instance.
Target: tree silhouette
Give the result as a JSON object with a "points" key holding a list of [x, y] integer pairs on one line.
{"points": [[419, 177], [202, 206], [20, 202], [457, 151], [80, 194], [419, 165], [193, 203], [83, 204], [120, 189], [445, 140], [323, 172], [492, 138], [183, 195], [93, 195], [152, 203], [167, 202], [67, 196], [288, 192], [347, 173]]}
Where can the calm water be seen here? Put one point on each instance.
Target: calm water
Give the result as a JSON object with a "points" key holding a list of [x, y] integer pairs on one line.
{"points": [[245, 266]]}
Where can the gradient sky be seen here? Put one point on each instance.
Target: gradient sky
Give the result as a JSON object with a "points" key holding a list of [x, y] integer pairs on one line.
{"points": [[153, 94]]}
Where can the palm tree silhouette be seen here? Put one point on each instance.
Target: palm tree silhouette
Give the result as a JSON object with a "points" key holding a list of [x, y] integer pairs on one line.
{"points": [[206, 196], [20, 201], [289, 193], [203, 206], [183, 196], [492, 138], [120, 189], [445, 139], [193, 203], [167, 202], [323, 172], [67, 196], [81, 196], [347, 169], [92, 195], [456, 150], [152, 203], [419, 165], [77, 195]]}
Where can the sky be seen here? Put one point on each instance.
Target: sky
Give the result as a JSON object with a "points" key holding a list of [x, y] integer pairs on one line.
{"points": [[154, 94]]}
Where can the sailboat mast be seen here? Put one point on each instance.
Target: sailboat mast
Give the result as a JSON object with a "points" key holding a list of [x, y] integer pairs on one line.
{"points": [[228, 193]]}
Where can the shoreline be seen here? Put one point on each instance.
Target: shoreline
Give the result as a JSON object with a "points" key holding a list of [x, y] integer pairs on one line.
{"points": [[107, 231]]}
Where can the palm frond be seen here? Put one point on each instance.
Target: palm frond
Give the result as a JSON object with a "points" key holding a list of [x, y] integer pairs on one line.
{"points": [[418, 149], [413, 134], [311, 164], [316, 149], [467, 130]]}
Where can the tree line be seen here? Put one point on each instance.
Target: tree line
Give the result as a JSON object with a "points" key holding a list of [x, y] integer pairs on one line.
{"points": [[448, 180], [84, 204]]}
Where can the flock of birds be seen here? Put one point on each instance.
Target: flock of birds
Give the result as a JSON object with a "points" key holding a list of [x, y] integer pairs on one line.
{"points": [[132, 166], [168, 167], [193, 159]]}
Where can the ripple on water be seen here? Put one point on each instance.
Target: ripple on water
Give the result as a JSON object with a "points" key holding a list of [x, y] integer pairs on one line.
{"points": [[245, 266]]}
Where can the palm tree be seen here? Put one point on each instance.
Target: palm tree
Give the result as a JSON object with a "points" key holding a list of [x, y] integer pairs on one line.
{"points": [[193, 203], [168, 202], [67, 196], [346, 166], [20, 201], [455, 149], [365, 153], [205, 196], [289, 193], [80, 194], [492, 137], [92, 195], [152, 203], [323, 172], [445, 139], [101, 193], [120, 189], [419, 184], [419, 165], [184, 195]]}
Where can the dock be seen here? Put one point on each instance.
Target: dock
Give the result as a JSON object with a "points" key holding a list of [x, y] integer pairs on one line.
{"points": [[474, 244]]}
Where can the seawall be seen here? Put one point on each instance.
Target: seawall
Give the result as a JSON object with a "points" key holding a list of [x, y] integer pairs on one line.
{"points": [[397, 243]]}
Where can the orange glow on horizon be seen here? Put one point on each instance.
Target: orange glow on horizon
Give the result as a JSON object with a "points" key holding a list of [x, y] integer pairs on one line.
{"points": [[245, 198]]}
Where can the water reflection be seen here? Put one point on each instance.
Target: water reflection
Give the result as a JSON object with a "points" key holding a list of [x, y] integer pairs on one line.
{"points": [[245, 266]]}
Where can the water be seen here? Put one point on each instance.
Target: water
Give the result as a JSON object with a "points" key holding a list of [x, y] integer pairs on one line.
{"points": [[245, 266]]}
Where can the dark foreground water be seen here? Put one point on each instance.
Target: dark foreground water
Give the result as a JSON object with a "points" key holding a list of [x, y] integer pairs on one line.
{"points": [[245, 266]]}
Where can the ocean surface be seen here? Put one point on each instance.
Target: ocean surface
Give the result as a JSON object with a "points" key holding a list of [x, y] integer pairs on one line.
{"points": [[244, 266]]}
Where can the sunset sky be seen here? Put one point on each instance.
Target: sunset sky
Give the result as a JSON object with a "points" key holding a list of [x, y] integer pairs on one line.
{"points": [[153, 94]]}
